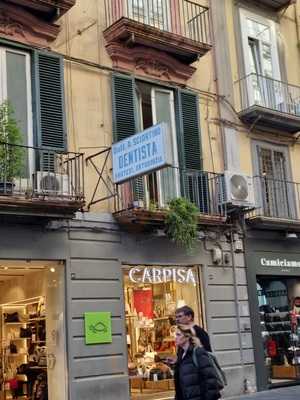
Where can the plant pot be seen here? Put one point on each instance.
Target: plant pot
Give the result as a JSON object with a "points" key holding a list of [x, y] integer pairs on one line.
{"points": [[6, 188]]}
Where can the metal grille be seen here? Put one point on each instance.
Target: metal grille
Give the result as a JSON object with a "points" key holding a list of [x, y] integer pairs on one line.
{"points": [[276, 193]]}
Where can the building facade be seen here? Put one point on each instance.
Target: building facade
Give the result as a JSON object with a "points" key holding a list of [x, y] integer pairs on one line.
{"points": [[262, 56], [82, 76]]}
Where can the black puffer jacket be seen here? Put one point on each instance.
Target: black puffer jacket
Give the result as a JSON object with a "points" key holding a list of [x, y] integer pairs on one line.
{"points": [[192, 383]]}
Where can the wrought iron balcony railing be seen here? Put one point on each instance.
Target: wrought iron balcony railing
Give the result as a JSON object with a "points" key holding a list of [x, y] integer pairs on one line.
{"points": [[181, 17], [40, 176], [153, 192], [270, 93], [268, 102], [276, 199]]}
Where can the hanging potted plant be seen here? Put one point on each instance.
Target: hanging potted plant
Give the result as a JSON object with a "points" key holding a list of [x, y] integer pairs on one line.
{"points": [[181, 222], [11, 151]]}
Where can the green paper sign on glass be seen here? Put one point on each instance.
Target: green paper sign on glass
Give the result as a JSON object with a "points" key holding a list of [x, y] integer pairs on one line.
{"points": [[97, 327]]}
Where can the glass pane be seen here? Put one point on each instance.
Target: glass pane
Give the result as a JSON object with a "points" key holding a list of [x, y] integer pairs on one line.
{"points": [[279, 311], [258, 30], [17, 96], [152, 295], [17, 89], [168, 175]]}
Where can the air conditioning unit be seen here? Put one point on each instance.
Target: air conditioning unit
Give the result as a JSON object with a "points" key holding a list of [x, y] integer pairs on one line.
{"points": [[52, 184], [237, 190]]}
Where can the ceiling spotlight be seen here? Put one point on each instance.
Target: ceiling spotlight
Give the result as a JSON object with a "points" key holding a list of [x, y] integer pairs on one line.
{"points": [[5, 268], [291, 235], [52, 269]]}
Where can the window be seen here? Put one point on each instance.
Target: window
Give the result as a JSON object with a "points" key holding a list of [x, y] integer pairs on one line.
{"points": [[157, 105], [137, 105], [275, 188], [15, 84], [261, 60], [151, 12], [152, 294]]}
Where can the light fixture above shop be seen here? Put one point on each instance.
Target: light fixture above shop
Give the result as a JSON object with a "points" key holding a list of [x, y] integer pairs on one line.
{"points": [[291, 235]]}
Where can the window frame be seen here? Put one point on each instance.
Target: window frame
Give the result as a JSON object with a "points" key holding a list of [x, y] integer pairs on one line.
{"points": [[288, 172], [3, 96], [244, 15]]}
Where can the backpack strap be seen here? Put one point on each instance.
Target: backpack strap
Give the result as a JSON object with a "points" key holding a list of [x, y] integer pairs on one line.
{"points": [[195, 360]]}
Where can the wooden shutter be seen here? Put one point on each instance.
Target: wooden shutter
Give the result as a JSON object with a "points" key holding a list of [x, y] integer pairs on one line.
{"points": [[188, 130], [125, 120], [48, 106], [194, 181], [124, 106]]}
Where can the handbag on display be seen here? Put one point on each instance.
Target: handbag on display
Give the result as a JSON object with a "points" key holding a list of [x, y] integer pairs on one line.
{"points": [[25, 332], [12, 317], [13, 348]]}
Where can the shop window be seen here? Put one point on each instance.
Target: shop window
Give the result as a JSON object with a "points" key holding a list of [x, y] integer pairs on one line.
{"points": [[152, 295], [279, 301], [33, 348]]}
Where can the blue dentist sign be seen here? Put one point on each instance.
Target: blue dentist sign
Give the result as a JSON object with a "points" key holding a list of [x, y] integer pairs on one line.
{"points": [[142, 153]]}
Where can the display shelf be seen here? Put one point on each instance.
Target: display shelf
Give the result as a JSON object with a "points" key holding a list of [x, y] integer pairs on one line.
{"points": [[278, 323], [15, 323], [31, 320]]}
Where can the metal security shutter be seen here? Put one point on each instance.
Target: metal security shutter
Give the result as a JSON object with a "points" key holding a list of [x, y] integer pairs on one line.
{"points": [[125, 120], [194, 183], [48, 105]]}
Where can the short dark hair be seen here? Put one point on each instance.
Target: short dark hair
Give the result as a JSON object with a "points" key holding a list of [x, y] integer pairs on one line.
{"points": [[186, 310]]}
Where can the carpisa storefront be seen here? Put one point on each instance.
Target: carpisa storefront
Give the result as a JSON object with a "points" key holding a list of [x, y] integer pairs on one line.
{"points": [[137, 281], [273, 270]]}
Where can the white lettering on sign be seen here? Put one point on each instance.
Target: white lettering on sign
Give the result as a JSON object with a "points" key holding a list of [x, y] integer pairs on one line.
{"points": [[279, 263], [142, 153], [162, 275]]}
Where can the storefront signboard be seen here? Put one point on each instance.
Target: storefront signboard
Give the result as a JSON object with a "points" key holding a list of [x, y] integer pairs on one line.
{"points": [[279, 262], [97, 327], [142, 153], [162, 275]]}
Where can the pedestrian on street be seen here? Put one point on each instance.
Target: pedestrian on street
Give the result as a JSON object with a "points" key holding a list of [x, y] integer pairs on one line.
{"points": [[193, 382], [185, 316]]}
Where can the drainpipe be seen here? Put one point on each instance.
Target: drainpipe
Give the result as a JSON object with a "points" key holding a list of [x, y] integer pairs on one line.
{"points": [[236, 295], [215, 78], [297, 21]]}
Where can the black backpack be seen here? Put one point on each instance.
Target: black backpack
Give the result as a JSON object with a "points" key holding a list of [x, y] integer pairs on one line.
{"points": [[220, 374]]}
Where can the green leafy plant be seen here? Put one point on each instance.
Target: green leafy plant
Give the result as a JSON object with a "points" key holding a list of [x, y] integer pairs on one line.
{"points": [[181, 222], [11, 153]]}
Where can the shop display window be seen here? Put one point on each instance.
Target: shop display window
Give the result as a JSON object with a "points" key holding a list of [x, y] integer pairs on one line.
{"points": [[279, 307], [152, 295], [33, 349]]}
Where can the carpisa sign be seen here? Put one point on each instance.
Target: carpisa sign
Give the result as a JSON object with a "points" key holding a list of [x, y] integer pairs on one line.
{"points": [[142, 153]]}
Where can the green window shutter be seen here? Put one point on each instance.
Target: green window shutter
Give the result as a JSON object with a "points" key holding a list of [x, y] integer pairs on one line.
{"points": [[125, 120], [124, 106], [48, 105], [188, 130], [194, 182]]}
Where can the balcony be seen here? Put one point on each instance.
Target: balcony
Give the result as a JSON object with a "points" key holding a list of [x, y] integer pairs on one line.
{"points": [[141, 203], [41, 183], [278, 204], [268, 104], [180, 28], [50, 10], [275, 5]]}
